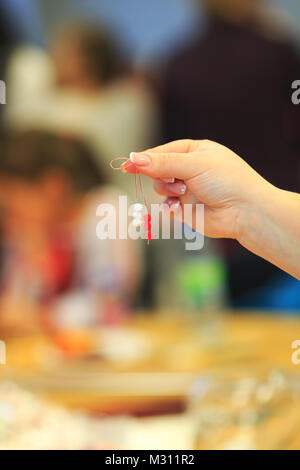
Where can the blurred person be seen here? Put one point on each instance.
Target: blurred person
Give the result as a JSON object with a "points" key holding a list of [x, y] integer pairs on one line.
{"points": [[233, 85], [84, 88], [51, 256]]}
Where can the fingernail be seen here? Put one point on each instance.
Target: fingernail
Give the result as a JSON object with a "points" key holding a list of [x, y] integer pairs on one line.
{"points": [[128, 167], [168, 180], [177, 188], [173, 203], [140, 159]]}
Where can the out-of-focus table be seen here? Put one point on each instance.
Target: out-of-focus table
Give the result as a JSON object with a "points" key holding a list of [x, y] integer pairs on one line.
{"points": [[171, 351], [176, 347]]}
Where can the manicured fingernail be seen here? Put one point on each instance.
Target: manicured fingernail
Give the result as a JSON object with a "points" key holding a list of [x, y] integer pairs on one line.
{"points": [[173, 203], [140, 159], [128, 167], [167, 180], [177, 188]]}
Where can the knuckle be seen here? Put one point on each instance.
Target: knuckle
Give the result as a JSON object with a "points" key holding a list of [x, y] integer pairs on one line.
{"points": [[206, 145], [189, 144]]}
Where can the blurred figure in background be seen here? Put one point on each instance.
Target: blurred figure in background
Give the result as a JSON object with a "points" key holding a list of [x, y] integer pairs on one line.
{"points": [[83, 88], [240, 74], [51, 257]]}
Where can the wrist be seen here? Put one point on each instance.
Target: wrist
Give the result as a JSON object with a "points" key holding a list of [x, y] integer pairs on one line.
{"points": [[268, 227], [256, 214]]}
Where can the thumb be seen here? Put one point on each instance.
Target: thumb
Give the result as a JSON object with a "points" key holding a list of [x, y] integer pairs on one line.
{"points": [[165, 165]]}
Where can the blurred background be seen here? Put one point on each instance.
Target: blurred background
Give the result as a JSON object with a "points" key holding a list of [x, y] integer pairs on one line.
{"points": [[91, 80]]}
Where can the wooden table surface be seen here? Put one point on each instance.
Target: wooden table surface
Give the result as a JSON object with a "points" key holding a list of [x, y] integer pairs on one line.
{"points": [[175, 349]]}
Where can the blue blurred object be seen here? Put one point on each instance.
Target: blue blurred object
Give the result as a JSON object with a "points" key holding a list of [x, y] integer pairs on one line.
{"points": [[282, 294], [26, 18], [145, 29]]}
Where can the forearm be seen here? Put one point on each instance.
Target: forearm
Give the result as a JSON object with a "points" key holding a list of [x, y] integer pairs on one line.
{"points": [[270, 228]]}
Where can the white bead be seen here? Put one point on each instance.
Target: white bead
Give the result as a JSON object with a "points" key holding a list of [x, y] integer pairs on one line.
{"points": [[138, 207]]}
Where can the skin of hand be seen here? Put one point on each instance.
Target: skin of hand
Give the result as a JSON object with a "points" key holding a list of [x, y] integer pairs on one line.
{"points": [[239, 203]]}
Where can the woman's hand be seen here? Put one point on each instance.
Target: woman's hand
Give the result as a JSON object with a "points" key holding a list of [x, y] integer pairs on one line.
{"points": [[239, 203], [204, 172]]}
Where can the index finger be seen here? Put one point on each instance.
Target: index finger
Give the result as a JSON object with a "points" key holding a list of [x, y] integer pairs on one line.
{"points": [[177, 146]]}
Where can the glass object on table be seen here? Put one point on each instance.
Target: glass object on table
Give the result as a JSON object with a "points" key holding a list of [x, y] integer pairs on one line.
{"points": [[192, 284], [244, 410]]}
